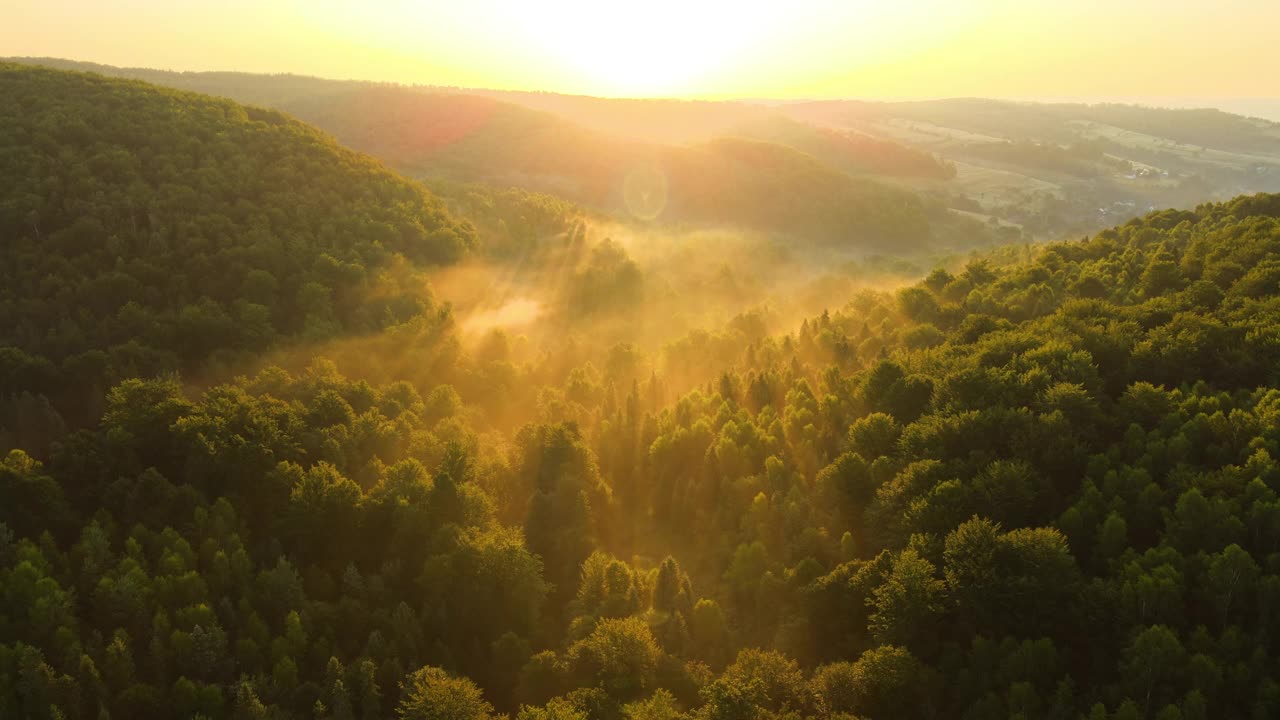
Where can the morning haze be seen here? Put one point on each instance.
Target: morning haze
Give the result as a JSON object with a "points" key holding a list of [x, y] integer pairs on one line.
{"points": [[650, 361], [706, 49]]}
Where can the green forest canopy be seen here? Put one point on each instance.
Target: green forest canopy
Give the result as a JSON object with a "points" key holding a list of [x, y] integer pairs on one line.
{"points": [[1043, 488], [150, 230]]}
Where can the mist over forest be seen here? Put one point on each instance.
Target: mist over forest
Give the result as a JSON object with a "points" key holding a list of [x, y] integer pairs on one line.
{"points": [[336, 399]]}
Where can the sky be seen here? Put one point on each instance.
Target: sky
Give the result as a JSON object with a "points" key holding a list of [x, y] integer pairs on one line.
{"points": [[784, 49]]}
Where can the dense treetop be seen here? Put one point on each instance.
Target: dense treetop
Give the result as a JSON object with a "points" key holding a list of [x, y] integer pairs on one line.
{"points": [[148, 230], [1041, 485]]}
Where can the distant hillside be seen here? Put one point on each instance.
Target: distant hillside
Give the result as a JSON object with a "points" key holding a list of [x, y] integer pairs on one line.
{"points": [[1060, 122], [776, 187], [654, 119], [1051, 169], [724, 181], [1046, 170], [801, 186], [250, 88], [473, 138], [851, 151], [1071, 168], [149, 230]]}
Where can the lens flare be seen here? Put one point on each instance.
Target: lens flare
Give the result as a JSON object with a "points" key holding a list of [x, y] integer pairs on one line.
{"points": [[644, 190]]}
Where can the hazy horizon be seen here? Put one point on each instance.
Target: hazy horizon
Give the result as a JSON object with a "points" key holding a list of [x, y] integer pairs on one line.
{"points": [[709, 50], [1262, 107]]}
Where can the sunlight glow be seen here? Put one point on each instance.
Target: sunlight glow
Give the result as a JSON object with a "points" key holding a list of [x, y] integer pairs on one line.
{"points": [[686, 48], [645, 47]]}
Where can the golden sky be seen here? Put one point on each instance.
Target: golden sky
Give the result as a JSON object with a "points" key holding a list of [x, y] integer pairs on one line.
{"points": [[690, 48]]}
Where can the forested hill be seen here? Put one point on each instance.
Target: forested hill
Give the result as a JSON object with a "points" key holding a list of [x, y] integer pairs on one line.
{"points": [[1044, 487], [149, 230], [734, 182], [805, 185]]}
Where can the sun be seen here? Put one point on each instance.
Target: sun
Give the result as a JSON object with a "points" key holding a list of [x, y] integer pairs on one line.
{"points": [[643, 47]]}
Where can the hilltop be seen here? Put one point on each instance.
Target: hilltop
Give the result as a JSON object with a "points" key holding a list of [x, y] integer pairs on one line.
{"points": [[1048, 170], [771, 174], [151, 230]]}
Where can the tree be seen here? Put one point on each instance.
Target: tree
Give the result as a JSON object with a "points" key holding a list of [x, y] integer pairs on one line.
{"points": [[836, 686], [847, 485], [323, 514], [708, 632], [890, 682], [486, 585], [620, 656], [750, 563], [1153, 664], [247, 706], [1233, 574], [1018, 581], [874, 435], [659, 706], [32, 501], [430, 693], [671, 588], [1113, 536], [608, 588], [557, 709], [565, 485], [908, 603], [757, 682]]}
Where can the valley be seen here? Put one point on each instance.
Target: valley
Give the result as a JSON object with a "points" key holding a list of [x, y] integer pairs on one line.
{"points": [[336, 399]]}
